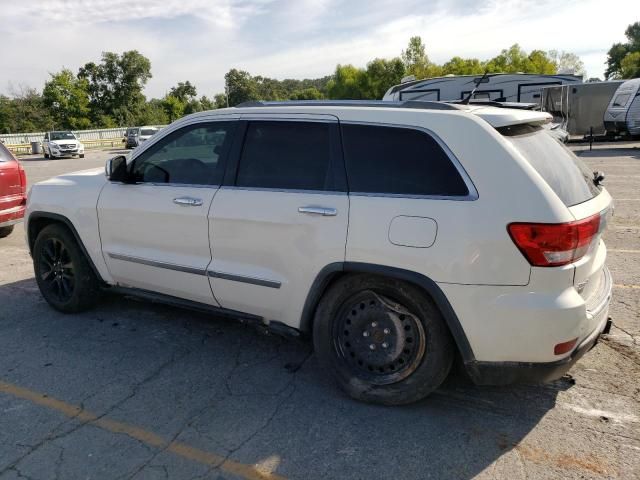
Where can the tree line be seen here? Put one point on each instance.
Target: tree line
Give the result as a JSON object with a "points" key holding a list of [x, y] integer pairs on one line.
{"points": [[110, 93]]}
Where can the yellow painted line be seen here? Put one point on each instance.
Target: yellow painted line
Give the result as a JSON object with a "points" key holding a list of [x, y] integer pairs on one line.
{"points": [[249, 472], [622, 285], [621, 250]]}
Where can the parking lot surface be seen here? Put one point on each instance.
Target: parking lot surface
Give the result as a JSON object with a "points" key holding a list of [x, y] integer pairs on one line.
{"points": [[135, 390]]}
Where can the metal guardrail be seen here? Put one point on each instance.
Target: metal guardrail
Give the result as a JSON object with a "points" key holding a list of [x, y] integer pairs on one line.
{"points": [[83, 135], [25, 148]]}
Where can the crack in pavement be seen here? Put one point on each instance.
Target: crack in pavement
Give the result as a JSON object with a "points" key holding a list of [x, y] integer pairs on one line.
{"points": [[79, 414]]}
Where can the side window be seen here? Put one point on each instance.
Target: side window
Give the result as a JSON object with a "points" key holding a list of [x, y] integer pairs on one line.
{"points": [[399, 161], [187, 156], [288, 155], [5, 155]]}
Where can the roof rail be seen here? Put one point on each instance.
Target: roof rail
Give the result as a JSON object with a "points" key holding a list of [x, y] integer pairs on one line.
{"points": [[415, 104]]}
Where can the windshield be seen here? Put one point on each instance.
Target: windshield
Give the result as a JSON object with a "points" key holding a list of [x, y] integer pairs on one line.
{"points": [[62, 136], [148, 131], [565, 173]]}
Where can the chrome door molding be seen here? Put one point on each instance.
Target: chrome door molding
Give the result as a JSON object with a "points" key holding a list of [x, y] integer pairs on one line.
{"points": [[263, 282], [155, 263]]}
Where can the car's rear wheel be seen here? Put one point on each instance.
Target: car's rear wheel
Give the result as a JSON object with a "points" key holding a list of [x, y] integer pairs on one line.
{"points": [[384, 340], [62, 272], [6, 231]]}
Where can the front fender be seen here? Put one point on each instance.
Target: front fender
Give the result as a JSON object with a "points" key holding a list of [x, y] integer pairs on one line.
{"points": [[72, 200]]}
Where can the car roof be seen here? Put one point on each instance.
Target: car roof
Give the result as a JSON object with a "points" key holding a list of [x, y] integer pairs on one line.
{"points": [[496, 116]]}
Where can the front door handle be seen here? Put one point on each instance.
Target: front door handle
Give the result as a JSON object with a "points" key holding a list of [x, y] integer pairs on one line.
{"points": [[187, 201], [324, 211]]}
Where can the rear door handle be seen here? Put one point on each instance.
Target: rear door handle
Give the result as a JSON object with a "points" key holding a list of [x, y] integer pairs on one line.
{"points": [[324, 211], [187, 201]]}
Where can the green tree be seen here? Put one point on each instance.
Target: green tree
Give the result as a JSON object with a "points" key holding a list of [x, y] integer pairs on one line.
{"points": [[173, 107], [152, 113], [67, 99], [347, 83], [184, 91], [619, 51], [241, 87], [630, 65], [311, 93], [115, 85], [463, 66], [24, 111], [380, 75], [417, 62]]}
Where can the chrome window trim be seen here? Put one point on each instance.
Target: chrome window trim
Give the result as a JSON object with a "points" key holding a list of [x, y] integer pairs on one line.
{"points": [[262, 282], [154, 263], [473, 192], [183, 185], [283, 190]]}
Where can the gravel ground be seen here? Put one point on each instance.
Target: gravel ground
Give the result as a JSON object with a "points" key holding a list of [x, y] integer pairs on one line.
{"points": [[145, 391]]}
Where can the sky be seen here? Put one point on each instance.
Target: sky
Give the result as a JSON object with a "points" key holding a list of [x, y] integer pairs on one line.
{"points": [[200, 40]]}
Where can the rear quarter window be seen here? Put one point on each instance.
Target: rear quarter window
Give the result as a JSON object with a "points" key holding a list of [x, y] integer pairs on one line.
{"points": [[396, 160], [566, 174]]}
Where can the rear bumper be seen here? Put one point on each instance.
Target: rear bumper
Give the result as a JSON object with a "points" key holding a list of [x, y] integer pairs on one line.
{"points": [[12, 216], [506, 373]]}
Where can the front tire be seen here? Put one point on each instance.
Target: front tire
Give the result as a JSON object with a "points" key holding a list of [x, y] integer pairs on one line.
{"points": [[383, 340], [62, 272], [81, 155], [46, 155], [6, 231]]}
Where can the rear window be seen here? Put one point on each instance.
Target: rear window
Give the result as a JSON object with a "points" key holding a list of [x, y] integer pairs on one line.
{"points": [[400, 161], [565, 173]]}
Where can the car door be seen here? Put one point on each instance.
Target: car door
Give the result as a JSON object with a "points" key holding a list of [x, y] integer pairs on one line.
{"points": [[280, 217], [154, 229], [11, 188]]}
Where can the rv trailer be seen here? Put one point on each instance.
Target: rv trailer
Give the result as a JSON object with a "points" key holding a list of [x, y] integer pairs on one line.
{"points": [[501, 87], [579, 108], [623, 112]]}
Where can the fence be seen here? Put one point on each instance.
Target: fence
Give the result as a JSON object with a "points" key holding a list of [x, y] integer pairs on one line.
{"points": [[20, 143]]}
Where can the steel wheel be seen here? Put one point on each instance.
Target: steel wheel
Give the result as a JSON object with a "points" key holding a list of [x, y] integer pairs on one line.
{"points": [[56, 270], [379, 340]]}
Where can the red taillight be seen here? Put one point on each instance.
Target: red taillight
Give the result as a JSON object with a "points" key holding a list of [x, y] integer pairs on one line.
{"points": [[554, 244], [23, 178]]}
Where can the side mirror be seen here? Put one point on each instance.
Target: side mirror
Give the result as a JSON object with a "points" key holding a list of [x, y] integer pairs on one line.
{"points": [[116, 169]]}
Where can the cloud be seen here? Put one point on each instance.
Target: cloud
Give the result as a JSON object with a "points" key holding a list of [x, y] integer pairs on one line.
{"points": [[199, 40]]}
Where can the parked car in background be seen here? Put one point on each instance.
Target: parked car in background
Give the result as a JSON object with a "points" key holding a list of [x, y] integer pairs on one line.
{"points": [[13, 191], [62, 144], [398, 235], [135, 136]]}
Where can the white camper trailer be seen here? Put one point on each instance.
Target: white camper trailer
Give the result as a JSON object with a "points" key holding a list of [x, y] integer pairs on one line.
{"points": [[501, 87], [623, 112], [579, 108]]}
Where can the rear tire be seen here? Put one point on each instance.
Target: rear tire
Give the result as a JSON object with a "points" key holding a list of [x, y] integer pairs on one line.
{"points": [[6, 231], [64, 276], [383, 340]]}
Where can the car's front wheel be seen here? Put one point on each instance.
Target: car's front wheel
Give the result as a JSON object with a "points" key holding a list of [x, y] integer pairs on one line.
{"points": [[383, 340], [62, 272]]}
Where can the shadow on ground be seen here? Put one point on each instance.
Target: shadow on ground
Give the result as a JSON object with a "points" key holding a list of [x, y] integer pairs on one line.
{"points": [[227, 388]]}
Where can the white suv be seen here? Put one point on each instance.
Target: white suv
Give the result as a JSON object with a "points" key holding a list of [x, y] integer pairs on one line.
{"points": [[62, 144], [397, 235]]}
